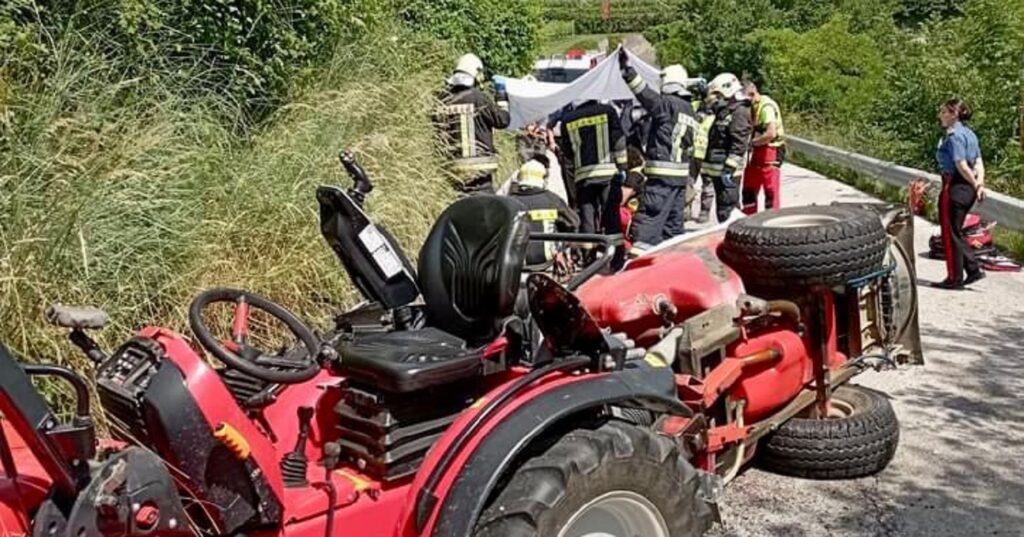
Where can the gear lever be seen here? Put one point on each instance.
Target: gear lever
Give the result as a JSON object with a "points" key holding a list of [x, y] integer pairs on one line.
{"points": [[295, 463]]}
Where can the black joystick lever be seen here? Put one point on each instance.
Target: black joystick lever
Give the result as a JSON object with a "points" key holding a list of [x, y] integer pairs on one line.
{"points": [[361, 184], [295, 463]]}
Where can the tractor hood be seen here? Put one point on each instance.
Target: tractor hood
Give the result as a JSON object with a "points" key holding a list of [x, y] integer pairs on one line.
{"points": [[688, 275]]}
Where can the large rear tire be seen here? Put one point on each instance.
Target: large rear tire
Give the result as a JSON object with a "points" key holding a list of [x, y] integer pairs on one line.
{"points": [[803, 246], [618, 480], [858, 440]]}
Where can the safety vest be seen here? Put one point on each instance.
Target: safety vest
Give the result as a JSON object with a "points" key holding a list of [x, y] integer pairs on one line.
{"points": [[761, 109], [700, 138]]}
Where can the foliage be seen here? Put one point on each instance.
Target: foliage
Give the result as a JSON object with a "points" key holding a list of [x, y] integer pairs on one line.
{"points": [[625, 15], [863, 75], [504, 33], [247, 50], [698, 39], [132, 195], [826, 68]]}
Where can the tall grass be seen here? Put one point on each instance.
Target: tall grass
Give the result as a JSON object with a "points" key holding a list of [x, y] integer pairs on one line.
{"points": [[133, 198]]}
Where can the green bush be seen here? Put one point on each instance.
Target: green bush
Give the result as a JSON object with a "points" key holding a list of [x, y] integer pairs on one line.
{"points": [[869, 74], [827, 68], [504, 33]]}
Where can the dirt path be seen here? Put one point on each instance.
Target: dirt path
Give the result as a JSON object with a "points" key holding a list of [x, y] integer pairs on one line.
{"points": [[959, 470]]}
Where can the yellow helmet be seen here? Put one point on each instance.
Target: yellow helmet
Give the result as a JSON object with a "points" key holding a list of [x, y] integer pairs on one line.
{"points": [[533, 174]]}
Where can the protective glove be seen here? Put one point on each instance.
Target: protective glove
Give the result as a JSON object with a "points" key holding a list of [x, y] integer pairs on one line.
{"points": [[623, 58], [620, 178], [727, 179], [499, 84]]}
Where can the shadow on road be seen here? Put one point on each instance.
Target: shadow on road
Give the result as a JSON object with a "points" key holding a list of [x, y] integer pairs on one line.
{"points": [[955, 486]]}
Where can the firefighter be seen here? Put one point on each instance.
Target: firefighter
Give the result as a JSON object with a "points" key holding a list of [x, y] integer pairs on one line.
{"points": [[669, 146], [545, 211], [768, 150], [963, 185], [728, 141], [705, 118], [466, 118], [594, 147]]}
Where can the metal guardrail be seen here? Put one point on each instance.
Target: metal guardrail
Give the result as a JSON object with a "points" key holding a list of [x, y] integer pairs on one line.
{"points": [[1006, 210]]}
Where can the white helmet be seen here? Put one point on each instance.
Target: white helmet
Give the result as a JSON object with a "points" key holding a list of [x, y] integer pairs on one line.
{"points": [[471, 65], [726, 85], [533, 173], [674, 74]]}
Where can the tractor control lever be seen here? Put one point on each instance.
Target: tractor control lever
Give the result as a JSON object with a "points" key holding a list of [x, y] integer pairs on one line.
{"points": [[361, 181], [295, 463]]}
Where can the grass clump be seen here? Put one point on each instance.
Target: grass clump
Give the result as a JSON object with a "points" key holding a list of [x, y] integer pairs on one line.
{"points": [[135, 198]]}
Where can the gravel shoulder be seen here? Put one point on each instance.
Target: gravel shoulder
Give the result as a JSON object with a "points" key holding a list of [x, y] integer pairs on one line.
{"points": [[959, 470]]}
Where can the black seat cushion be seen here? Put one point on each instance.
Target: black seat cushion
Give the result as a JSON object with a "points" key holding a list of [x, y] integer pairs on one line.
{"points": [[470, 265], [408, 360]]}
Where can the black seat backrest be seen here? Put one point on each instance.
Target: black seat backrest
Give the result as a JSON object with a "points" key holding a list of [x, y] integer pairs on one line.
{"points": [[470, 266], [374, 260]]}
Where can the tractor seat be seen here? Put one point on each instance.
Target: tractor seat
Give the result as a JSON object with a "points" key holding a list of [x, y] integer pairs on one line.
{"points": [[404, 361], [469, 274]]}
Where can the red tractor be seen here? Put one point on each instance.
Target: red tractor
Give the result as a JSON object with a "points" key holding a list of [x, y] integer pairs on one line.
{"points": [[465, 398]]}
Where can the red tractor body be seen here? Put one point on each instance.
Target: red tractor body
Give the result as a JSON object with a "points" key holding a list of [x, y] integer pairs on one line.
{"points": [[660, 379]]}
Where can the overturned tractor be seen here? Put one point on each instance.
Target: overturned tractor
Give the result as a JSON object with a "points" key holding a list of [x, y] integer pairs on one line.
{"points": [[466, 398]]}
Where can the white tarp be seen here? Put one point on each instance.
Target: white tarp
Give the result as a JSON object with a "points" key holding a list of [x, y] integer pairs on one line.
{"points": [[530, 100]]}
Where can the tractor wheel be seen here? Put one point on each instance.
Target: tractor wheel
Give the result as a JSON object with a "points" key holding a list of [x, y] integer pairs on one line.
{"points": [[828, 245], [859, 438], [617, 480]]}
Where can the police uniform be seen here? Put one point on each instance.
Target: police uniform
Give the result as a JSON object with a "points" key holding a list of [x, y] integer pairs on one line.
{"points": [[763, 171], [466, 119], [728, 141], [594, 147], [956, 200], [668, 150]]}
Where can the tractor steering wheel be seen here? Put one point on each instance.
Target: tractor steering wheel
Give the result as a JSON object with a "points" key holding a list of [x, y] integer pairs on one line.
{"points": [[290, 368]]}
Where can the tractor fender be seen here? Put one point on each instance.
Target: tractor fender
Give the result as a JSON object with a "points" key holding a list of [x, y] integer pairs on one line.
{"points": [[647, 384]]}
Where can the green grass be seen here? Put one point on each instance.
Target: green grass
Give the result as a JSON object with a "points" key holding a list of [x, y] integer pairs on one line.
{"points": [[134, 199]]}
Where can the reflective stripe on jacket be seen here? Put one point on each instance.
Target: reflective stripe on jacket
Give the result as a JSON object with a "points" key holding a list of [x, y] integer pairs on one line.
{"points": [[593, 141]]}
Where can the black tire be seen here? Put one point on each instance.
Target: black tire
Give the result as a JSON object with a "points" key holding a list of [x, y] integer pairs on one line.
{"points": [[545, 491], [859, 444], [803, 246]]}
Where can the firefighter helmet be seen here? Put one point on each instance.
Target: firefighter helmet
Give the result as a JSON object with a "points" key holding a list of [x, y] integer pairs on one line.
{"points": [[727, 85]]}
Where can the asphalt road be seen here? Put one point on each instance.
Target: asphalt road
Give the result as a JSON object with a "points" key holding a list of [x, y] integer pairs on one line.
{"points": [[959, 470]]}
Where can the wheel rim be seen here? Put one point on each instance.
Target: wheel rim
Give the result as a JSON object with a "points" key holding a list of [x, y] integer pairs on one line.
{"points": [[800, 220], [839, 409], [616, 514]]}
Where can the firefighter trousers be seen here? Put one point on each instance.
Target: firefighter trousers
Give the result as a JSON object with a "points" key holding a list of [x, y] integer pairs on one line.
{"points": [[727, 194], [662, 211], [955, 202], [598, 206]]}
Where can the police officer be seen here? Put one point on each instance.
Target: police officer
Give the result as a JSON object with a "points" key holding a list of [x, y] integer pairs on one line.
{"points": [[963, 184], [466, 118], [668, 150], [767, 154], [728, 141], [545, 211], [594, 147]]}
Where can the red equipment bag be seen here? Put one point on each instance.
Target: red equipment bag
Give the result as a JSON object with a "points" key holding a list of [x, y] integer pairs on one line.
{"points": [[977, 230]]}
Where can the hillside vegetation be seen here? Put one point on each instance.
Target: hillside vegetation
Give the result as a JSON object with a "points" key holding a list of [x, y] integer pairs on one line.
{"points": [[868, 75], [152, 148]]}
